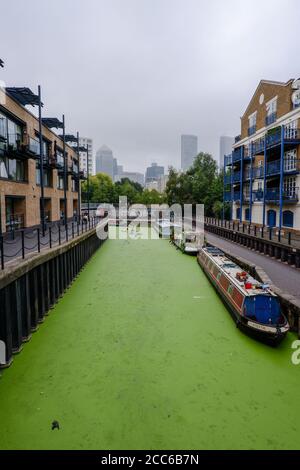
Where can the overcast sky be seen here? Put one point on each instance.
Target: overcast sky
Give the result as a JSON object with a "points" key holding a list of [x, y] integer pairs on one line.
{"points": [[136, 74]]}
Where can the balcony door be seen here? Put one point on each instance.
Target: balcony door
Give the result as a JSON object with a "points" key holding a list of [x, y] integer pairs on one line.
{"points": [[271, 219]]}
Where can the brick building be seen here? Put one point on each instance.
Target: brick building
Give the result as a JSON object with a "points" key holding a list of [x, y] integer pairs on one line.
{"points": [[20, 189], [262, 174]]}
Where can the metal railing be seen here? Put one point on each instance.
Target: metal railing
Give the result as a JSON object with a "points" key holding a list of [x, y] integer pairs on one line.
{"points": [[20, 243], [14, 221], [271, 118], [285, 236]]}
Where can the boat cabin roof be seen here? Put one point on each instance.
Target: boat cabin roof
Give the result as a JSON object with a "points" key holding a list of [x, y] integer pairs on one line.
{"points": [[231, 270]]}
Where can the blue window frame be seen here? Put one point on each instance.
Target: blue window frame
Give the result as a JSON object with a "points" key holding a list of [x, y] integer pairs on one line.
{"points": [[288, 219]]}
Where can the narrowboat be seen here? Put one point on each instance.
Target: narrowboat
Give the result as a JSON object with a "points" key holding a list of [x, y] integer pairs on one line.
{"points": [[254, 306], [163, 227], [188, 242]]}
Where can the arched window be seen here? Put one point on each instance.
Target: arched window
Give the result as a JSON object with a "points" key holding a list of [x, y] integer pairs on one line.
{"points": [[247, 214], [271, 218], [288, 219], [238, 213]]}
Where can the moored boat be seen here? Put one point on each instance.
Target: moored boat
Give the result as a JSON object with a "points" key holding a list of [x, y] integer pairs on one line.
{"points": [[188, 242], [254, 306]]}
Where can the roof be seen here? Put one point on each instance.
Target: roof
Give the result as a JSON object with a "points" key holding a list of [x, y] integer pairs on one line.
{"points": [[268, 82]]}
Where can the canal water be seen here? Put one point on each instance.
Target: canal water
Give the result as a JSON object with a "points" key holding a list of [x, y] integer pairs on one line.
{"points": [[142, 354]]}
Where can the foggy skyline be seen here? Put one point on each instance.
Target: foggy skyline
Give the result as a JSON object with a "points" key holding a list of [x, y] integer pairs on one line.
{"points": [[136, 75]]}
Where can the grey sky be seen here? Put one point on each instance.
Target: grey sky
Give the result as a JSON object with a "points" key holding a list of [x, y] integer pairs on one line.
{"points": [[136, 74]]}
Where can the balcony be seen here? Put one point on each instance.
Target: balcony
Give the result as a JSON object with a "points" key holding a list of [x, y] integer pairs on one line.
{"points": [[227, 179], [237, 155], [82, 174], [288, 196], [252, 130], [258, 146], [258, 172], [228, 160], [273, 138], [237, 138], [273, 168], [258, 195], [236, 177], [246, 197], [247, 174], [271, 118], [291, 134], [236, 196]]}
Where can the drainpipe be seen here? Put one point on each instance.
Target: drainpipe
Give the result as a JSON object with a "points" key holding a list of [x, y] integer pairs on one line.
{"points": [[65, 170], [79, 182], [281, 176], [242, 185], [232, 190], [251, 182], [42, 202], [265, 181]]}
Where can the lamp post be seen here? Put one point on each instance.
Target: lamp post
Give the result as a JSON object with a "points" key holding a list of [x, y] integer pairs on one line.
{"points": [[65, 170]]}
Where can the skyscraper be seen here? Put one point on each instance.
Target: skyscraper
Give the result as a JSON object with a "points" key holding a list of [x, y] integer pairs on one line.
{"points": [[105, 161], [153, 172], [189, 150], [87, 142], [226, 144]]}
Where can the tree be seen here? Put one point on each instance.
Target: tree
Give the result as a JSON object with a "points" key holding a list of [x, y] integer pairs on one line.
{"points": [[101, 189]]}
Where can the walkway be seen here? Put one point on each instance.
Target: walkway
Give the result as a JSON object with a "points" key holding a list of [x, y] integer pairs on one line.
{"points": [[141, 353], [283, 276]]}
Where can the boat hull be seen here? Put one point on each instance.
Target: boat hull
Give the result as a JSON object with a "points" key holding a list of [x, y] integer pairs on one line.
{"points": [[254, 330]]}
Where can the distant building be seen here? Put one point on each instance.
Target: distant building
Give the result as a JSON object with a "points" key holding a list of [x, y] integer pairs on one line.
{"points": [[153, 173], [162, 183], [226, 144], [115, 168], [120, 169], [105, 161], [132, 176], [87, 143], [189, 151], [152, 185]]}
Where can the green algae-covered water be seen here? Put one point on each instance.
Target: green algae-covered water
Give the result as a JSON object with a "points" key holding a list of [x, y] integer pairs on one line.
{"points": [[142, 354]]}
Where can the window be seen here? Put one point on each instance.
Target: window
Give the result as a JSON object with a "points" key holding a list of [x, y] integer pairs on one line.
{"points": [[47, 174], [3, 167], [247, 214], [288, 219], [289, 186], [252, 123], [10, 131], [290, 160], [271, 107], [291, 131], [60, 182], [238, 212]]}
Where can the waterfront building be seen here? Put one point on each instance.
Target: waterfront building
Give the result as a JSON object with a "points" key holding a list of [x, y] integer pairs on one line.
{"points": [[84, 165], [105, 161], [189, 151], [262, 175], [20, 176], [153, 172], [226, 144]]}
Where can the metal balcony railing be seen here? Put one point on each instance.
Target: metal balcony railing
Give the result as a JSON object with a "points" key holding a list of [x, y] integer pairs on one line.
{"points": [[271, 118], [227, 196], [237, 154], [258, 146], [236, 177], [237, 196], [290, 195], [228, 160], [258, 172], [273, 168], [227, 179], [291, 133], [247, 174], [34, 146], [257, 195], [251, 130], [273, 138]]}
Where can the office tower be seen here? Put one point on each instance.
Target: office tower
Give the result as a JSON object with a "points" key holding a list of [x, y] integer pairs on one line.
{"points": [[226, 144], [189, 151], [153, 173], [105, 161]]}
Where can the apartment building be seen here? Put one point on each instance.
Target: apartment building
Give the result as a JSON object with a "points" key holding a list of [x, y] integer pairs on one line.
{"points": [[262, 174], [20, 176]]}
